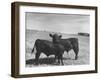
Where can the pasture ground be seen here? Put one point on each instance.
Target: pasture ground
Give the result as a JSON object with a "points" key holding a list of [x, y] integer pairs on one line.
{"points": [[68, 58]]}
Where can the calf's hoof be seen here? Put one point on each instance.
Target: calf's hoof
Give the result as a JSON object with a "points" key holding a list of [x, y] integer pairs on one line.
{"points": [[62, 64], [37, 64]]}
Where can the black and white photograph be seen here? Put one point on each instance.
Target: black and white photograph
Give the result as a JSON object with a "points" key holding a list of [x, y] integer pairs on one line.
{"points": [[56, 39], [51, 39]]}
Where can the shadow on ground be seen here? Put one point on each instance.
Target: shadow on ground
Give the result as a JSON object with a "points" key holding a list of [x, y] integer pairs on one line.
{"points": [[50, 61]]}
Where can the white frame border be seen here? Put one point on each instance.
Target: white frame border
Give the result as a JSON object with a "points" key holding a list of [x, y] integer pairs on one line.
{"points": [[38, 70]]}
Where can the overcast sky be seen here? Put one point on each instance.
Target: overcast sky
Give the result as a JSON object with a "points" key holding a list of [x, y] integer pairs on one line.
{"points": [[64, 23]]}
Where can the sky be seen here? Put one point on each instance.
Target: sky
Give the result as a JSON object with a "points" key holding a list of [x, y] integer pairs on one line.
{"points": [[63, 23]]}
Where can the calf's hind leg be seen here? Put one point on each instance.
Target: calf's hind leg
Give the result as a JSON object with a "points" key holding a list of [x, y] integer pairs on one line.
{"points": [[76, 54]]}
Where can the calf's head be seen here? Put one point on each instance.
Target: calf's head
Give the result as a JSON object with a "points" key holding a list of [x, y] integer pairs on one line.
{"points": [[55, 38]]}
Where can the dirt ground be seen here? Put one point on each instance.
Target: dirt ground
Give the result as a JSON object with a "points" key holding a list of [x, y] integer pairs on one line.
{"points": [[68, 58]]}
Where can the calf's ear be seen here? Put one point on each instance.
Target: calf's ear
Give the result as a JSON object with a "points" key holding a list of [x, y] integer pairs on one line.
{"points": [[50, 35], [60, 36]]}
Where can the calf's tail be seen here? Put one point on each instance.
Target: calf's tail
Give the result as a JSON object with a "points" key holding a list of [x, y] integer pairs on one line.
{"points": [[33, 49]]}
